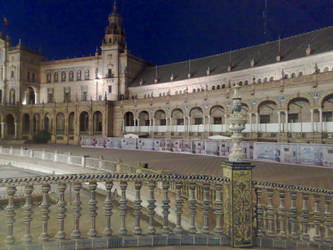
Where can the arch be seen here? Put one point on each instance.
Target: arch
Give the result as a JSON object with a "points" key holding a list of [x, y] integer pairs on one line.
{"points": [[144, 118], [97, 123], [177, 116], [267, 111], [304, 96], [60, 124], [10, 125], [25, 124], [71, 123], [327, 108], [160, 117], [217, 114], [129, 119], [298, 110], [12, 96], [196, 116], [30, 96], [36, 123], [84, 122], [48, 122]]}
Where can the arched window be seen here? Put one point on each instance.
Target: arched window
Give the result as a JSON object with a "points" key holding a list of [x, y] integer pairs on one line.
{"points": [[271, 79], [293, 75], [78, 75], [218, 86], [55, 76], [213, 87], [300, 73], [86, 75], [63, 76], [84, 123], [193, 90], [246, 82], [97, 122], [12, 96], [223, 86], [71, 75], [326, 69], [259, 80], [71, 123], [265, 79], [48, 77], [60, 123]]}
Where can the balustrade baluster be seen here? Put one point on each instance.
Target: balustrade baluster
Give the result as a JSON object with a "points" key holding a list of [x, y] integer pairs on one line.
{"points": [[218, 208], [179, 208], [44, 236], [92, 209], [293, 216], [108, 209], [206, 203], [259, 212], [10, 239], [137, 207], [165, 207], [123, 208], [305, 215], [76, 234], [327, 222], [318, 236], [61, 211], [192, 208], [270, 212], [282, 214], [151, 207], [27, 238]]}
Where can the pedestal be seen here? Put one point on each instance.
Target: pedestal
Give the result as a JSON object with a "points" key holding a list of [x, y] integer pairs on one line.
{"points": [[237, 197]]}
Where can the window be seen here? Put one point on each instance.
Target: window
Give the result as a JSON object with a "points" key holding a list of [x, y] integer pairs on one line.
{"points": [[55, 76], [78, 75], [213, 87], [218, 87], [217, 120], [28, 76], [162, 122], [293, 75], [84, 93], [67, 94], [265, 79], [71, 76], [327, 116], [50, 95], [223, 86], [265, 118], [109, 73], [110, 89], [86, 75], [271, 79], [63, 76], [292, 118], [33, 77], [48, 77], [12, 76], [300, 73], [180, 121], [246, 82], [198, 121]]}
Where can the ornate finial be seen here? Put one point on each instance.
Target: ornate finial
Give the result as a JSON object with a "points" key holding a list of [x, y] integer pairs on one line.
{"points": [[114, 6], [236, 126]]}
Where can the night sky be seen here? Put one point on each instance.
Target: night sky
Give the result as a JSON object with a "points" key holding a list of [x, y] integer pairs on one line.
{"points": [[160, 31]]}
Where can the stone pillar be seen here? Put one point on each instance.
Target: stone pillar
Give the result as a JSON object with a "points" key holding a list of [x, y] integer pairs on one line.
{"points": [[257, 122], [312, 124], [2, 130], [250, 122], [279, 120], [320, 120], [15, 127], [286, 121], [237, 200]]}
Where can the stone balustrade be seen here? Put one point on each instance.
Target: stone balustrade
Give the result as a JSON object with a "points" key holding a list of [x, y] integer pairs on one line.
{"points": [[126, 237], [292, 216]]}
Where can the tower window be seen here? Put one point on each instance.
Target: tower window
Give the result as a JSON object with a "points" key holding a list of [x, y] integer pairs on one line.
{"points": [[63, 76], [109, 73], [78, 75], [48, 77], [86, 75], [55, 77], [71, 75], [110, 89]]}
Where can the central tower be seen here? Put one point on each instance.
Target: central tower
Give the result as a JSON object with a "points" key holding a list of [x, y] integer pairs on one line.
{"points": [[114, 57]]}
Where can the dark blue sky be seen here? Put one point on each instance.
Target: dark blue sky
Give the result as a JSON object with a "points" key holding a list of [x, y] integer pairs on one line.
{"points": [[160, 31]]}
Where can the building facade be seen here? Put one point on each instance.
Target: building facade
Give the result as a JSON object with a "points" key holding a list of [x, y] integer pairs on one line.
{"points": [[287, 91]]}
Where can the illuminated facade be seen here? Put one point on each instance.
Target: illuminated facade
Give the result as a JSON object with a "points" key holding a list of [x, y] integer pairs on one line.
{"points": [[287, 91]]}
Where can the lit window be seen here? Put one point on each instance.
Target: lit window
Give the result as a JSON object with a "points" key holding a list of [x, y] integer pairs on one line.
{"points": [[71, 75], [55, 77], [63, 76], [86, 75], [78, 75]]}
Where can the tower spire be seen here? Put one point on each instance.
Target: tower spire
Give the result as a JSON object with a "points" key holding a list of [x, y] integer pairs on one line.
{"points": [[114, 7]]}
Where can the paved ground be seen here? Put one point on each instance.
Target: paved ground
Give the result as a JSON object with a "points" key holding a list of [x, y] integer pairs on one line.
{"points": [[202, 164]]}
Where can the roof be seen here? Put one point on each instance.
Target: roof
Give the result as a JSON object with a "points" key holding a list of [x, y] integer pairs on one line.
{"points": [[263, 54]]}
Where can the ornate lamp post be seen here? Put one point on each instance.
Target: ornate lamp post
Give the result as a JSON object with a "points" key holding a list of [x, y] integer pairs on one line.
{"points": [[237, 196]]}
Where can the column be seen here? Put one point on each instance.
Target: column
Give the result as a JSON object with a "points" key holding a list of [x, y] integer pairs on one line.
{"points": [[226, 122], [279, 120], [312, 124], [123, 126], [2, 130], [257, 122], [320, 120], [15, 127], [237, 224], [208, 124], [250, 122], [286, 121]]}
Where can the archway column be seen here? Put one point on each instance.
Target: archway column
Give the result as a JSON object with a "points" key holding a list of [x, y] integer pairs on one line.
{"points": [[257, 122], [208, 124], [320, 120], [90, 125], [279, 120], [15, 129], [250, 122], [2, 130], [286, 121], [312, 123]]}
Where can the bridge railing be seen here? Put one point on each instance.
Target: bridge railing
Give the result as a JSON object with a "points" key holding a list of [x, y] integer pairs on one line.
{"points": [[126, 237], [292, 213]]}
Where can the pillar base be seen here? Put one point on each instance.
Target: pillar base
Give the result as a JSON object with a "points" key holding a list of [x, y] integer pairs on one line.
{"points": [[238, 223]]}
